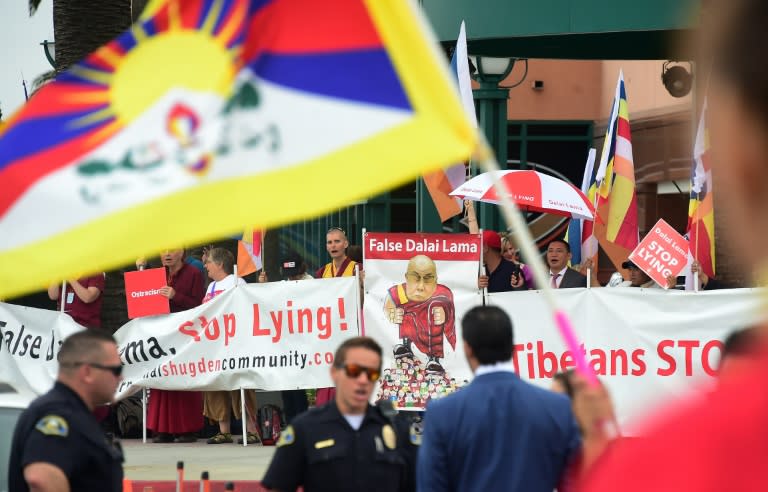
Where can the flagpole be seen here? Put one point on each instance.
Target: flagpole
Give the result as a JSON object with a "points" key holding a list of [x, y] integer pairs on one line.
{"points": [[261, 250], [696, 243], [586, 180], [420, 204], [525, 241], [482, 265], [594, 220], [695, 106]]}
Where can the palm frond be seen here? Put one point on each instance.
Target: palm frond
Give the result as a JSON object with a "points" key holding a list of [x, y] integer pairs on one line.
{"points": [[43, 79], [33, 5]]}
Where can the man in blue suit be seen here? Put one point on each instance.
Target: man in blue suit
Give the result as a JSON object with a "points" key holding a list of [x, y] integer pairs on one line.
{"points": [[498, 433]]}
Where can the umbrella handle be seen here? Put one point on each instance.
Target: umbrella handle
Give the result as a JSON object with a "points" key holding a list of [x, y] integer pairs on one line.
{"points": [[469, 211]]}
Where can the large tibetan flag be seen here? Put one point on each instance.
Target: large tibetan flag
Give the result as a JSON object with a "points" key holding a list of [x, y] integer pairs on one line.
{"points": [[442, 182], [210, 115], [616, 188], [701, 212], [249, 253]]}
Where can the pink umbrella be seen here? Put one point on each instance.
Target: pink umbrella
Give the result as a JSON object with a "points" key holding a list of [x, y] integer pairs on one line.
{"points": [[530, 190]]}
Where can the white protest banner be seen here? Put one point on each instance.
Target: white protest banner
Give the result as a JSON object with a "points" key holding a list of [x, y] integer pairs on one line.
{"points": [[274, 336], [648, 347], [29, 343], [417, 288], [661, 253]]}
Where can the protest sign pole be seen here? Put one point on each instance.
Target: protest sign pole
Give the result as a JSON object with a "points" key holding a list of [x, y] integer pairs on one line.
{"points": [[358, 307], [144, 415], [243, 416], [63, 294]]}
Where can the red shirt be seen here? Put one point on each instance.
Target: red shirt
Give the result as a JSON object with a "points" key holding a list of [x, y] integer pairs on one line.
{"points": [[88, 315], [188, 284], [714, 443]]}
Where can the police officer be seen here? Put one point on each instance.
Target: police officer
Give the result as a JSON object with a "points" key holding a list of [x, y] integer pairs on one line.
{"points": [[347, 444], [58, 444]]}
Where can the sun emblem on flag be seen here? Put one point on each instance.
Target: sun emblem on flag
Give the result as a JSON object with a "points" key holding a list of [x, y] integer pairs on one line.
{"points": [[185, 58], [121, 80]]}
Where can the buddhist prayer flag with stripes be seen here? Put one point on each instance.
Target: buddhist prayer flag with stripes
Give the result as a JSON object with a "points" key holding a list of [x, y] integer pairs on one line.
{"points": [[589, 242], [701, 212], [249, 257], [580, 237], [210, 115], [617, 199]]}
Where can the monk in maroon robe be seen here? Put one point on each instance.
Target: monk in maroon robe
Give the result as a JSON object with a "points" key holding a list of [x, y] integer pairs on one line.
{"points": [[177, 415]]}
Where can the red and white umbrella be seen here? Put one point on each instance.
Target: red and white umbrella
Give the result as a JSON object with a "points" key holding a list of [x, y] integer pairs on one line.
{"points": [[532, 191]]}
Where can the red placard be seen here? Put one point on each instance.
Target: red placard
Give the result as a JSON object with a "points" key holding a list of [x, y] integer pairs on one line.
{"points": [[663, 252], [142, 293], [404, 246]]}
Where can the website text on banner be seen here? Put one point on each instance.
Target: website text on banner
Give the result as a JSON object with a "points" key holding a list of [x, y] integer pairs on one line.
{"points": [[662, 253], [417, 289], [275, 336], [646, 346]]}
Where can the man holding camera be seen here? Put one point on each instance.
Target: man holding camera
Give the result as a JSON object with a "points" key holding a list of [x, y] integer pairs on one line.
{"points": [[501, 275]]}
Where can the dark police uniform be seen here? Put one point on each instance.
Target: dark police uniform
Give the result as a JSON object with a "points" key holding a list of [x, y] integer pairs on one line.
{"points": [[322, 452], [58, 428]]}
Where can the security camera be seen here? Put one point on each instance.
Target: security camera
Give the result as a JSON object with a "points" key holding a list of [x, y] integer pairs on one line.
{"points": [[676, 79]]}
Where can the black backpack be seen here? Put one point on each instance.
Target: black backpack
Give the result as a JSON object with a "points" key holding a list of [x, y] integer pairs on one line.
{"points": [[129, 417], [270, 424]]}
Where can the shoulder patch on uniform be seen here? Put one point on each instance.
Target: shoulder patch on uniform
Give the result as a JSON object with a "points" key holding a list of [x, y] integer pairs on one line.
{"points": [[287, 437], [53, 425], [415, 433]]}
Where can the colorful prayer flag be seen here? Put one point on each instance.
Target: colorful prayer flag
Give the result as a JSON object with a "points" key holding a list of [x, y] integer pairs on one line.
{"points": [[589, 242], [203, 106], [616, 174], [249, 258], [443, 181], [581, 245], [701, 212]]}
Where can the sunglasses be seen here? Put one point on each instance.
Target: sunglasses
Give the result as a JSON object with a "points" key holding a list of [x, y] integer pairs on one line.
{"points": [[337, 229], [354, 370], [116, 370]]}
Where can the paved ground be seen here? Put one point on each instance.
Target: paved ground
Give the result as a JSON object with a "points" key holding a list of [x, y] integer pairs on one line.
{"points": [[223, 461]]}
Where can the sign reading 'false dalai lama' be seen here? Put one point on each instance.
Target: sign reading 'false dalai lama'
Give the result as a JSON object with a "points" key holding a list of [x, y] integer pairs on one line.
{"points": [[437, 246], [417, 289]]}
